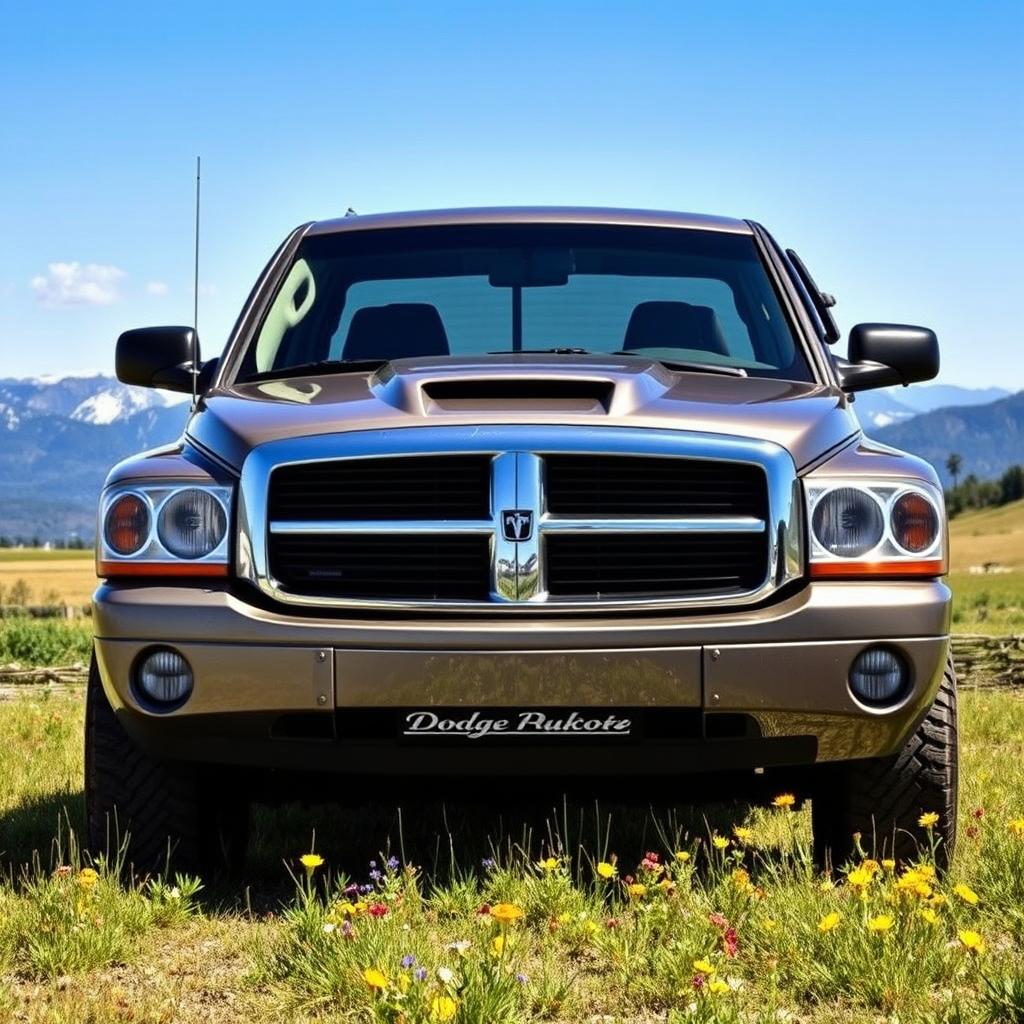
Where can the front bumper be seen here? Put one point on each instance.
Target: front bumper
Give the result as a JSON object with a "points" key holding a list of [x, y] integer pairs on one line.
{"points": [[744, 689]]}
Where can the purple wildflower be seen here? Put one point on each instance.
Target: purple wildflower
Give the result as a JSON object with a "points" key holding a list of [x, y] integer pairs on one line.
{"points": [[392, 863], [522, 978], [352, 890], [408, 960], [487, 863], [364, 889], [420, 974], [375, 875]]}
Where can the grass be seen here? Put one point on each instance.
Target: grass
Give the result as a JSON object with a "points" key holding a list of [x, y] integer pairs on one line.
{"points": [[552, 927]]}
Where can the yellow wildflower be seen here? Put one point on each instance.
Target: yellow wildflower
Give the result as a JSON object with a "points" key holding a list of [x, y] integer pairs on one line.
{"points": [[768, 924], [741, 879], [881, 924], [717, 988], [860, 878], [928, 820], [311, 861], [506, 913], [929, 915], [1016, 827], [719, 842], [443, 1008], [744, 835], [704, 966], [498, 945], [966, 893], [564, 918], [827, 885], [666, 885], [829, 921], [926, 871], [972, 941], [636, 890], [889, 864], [870, 865], [548, 864], [682, 856], [606, 870], [87, 878], [377, 980], [590, 928], [784, 800]]}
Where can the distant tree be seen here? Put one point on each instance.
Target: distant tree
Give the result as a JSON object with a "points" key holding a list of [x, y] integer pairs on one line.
{"points": [[953, 465], [19, 594], [1011, 485]]}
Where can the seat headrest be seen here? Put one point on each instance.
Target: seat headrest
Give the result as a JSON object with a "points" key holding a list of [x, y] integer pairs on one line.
{"points": [[675, 325], [396, 331]]}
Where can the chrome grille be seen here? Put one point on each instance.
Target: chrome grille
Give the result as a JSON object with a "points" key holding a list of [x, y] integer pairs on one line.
{"points": [[535, 518]]}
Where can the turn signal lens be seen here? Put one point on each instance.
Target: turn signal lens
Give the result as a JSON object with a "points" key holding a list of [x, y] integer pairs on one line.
{"points": [[127, 524], [848, 522], [915, 523], [192, 523]]}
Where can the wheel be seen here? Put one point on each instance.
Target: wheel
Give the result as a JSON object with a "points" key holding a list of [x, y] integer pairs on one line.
{"points": [[883, 798], [165, 815]]}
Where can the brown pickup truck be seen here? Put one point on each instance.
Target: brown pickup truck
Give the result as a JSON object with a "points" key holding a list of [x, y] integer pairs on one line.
{"points": [[567, 496]]}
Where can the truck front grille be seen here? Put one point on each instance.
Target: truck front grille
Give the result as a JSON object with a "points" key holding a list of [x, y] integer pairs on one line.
{"points": [[506, 518]]}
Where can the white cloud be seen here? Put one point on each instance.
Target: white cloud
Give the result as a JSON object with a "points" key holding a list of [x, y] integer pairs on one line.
{"points": [[157, 288], [78, 284]]}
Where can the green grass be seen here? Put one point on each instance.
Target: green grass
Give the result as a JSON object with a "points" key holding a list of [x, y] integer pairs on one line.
{"points": [[990, 604], [39, 555], [44, 642], [304, 947]]}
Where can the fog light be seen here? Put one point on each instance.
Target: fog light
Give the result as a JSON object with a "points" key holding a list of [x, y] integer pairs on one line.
{"points": [[878, 676], [164, 677]]}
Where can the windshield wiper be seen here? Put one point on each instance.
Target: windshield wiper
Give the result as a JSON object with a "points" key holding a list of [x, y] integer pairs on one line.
{"points": [[544, 352], [685, 367], [316, 368]]}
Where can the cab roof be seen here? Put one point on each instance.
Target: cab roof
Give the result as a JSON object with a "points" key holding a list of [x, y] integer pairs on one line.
{"points": [[530, 215]]}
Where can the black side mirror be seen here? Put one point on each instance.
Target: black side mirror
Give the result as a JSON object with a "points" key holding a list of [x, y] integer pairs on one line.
{"points": [[881, 355], [158, 357]]}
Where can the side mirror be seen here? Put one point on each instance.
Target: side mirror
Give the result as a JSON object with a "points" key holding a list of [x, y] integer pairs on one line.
{"points": [[881, 355], [158, 357]]}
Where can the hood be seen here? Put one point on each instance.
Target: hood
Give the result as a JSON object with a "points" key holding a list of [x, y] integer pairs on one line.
{"points": [[617, 391]]}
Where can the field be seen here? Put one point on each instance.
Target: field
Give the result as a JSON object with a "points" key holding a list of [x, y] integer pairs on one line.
{"points": [[719, 921], [52, 577]]}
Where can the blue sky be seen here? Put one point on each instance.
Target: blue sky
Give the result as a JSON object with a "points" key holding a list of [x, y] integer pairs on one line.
{"points": [[884, 141]]}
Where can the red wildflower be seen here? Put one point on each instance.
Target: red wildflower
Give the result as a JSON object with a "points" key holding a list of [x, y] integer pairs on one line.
{"points": [[377, 909], [485, 909], [718, 920], [979, 812], [698, 981], [730, 942], [612, 922]]}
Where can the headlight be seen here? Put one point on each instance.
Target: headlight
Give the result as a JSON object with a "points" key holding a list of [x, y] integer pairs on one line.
{"points": [[192, 523], [870, 528], [164, 529]]}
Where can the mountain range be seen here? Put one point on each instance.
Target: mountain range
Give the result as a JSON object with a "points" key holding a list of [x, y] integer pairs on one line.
{"points": [[60, 435]]}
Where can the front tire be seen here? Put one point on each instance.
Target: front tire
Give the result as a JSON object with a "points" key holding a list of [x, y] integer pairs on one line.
{"points": [[164, 815], [883, 798]]}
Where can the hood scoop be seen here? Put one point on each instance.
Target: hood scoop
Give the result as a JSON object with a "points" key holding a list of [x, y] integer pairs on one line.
{"points": [[518, 394]]}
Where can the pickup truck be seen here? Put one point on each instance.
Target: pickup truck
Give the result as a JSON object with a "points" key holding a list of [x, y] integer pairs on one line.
{"points": [[554, 496]]}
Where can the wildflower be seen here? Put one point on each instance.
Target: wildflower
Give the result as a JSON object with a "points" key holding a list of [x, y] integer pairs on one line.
{"points": [[698, 982], [606, 870], [393, 863], [506, 913], [966, 893], [311, 861], [590, 927], [377, 980], [829, 921], [612, 922], [704, 966], [785, 800], [769, 925], [827, 885], [498, 945], [637, 890], [329, 927], [522, 978], [408, 961], [889, 864], [972, 941], [445, 975], [87, 878], [1016, 827], [881, 924], [63, 871], [487, 863], [718, 920], [348, 930], [928, 820], [420, 974], [443, 1008], [682, 856], [744, 835], [730, 942], [717, 988], [741, 880], [719, 842], [868, 864], [978, 812], [461, 947], [929, 915], [548, 864], [860, 878], [377, 909], [666, 885]]}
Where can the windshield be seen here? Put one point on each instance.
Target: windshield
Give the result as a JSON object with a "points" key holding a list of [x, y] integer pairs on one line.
{"points": [[669, 294]]}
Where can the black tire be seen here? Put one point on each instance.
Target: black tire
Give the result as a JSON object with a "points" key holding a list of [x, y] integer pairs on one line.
{"points": [[167, 816], [882, 799]]}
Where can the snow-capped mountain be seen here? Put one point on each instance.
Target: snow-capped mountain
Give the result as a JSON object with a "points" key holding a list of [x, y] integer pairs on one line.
{"points": [[60, 436], [876, 409]]}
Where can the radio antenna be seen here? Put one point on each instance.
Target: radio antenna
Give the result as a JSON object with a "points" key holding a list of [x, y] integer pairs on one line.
{"points": [[195, 301]]}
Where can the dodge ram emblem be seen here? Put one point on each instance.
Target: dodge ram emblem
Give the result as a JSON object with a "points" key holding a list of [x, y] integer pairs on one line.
{"points": [[517, 523]]}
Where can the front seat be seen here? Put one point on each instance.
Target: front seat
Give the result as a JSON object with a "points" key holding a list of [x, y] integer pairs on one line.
{"points": [[675, 325], [396, 331]]}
